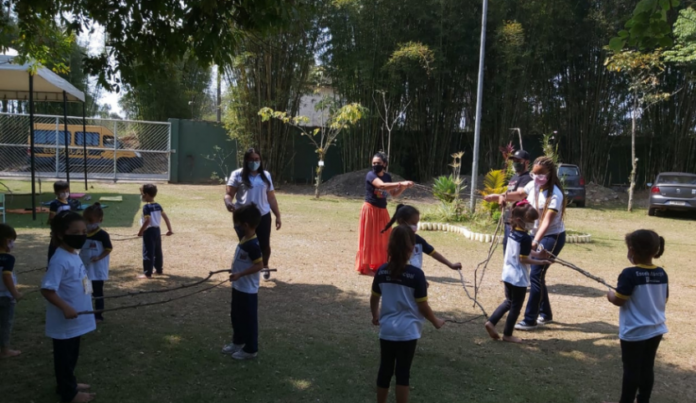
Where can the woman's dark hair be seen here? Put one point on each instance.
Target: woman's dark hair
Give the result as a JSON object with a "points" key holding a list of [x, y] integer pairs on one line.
{"points": [[61, 222], [93, 211], [246, 170], [402, 213], [247, 214], [7, 233], [525, 212], [381, 156], [401, 243], [646, 245], [150, 190], [59, 186], [554, 180]]}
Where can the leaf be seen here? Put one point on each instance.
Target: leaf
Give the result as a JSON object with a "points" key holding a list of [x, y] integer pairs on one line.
{"points": [[616, 44]]}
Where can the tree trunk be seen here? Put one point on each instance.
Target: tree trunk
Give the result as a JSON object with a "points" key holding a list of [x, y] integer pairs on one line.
{"points": [[389, 156], [634, 163], [317, 185]]}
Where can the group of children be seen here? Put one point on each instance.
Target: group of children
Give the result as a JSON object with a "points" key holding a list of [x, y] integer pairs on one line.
{"points": [[401, 285]]}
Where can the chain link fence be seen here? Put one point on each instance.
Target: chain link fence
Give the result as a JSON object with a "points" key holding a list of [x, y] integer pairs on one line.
{"points": [[106, 148]]}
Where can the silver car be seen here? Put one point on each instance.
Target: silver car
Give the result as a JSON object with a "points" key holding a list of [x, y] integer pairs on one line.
{"points": [[673, 191]]}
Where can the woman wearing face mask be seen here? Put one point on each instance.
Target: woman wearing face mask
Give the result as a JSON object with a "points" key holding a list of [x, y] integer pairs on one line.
{"points": [[372, 242], [252, 184], [544, 193]]}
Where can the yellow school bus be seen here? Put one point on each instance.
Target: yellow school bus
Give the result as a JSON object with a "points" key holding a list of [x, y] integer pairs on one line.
{"points": [[101, 146]]}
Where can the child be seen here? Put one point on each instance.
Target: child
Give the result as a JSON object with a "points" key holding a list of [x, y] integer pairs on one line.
{"points": [[642, 294], [8, 290], [409, 216], [248, 262], [62, 192], [400, 319], [153, 214], [68, 291], [95, 255], [518, 258]]}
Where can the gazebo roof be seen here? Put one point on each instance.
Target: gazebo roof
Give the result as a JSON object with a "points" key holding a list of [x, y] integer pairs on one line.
{"points": [[48, 86]]}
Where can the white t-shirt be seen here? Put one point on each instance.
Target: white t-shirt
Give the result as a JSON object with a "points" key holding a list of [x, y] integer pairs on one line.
{"points": [[257, 194], [537, 198], [67, 276], [519, 244], [97, 242]]}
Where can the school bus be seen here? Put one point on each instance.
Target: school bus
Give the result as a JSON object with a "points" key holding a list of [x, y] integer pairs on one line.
{"points": [[101, 146]]}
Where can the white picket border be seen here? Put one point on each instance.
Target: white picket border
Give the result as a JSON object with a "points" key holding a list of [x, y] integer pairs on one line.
{"points": [[487, 238]]}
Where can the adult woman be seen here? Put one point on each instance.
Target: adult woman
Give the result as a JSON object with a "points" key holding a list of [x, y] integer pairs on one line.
{"points": [[251, 184], [545, 193], [372, 242]]}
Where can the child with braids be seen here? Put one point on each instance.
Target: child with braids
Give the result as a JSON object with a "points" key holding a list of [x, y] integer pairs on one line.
{"points": [[642, 294], [95, 255], [409, 216], [518, 257], [404, 294]]}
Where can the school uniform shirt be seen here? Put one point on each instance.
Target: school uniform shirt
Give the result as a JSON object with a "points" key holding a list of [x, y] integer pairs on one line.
{"points": [[420, 248], [537, 198], [399, 317], [67, 276], [7, 263], [257, 193], [646, 290], [98, 241], [519, 244], [374, 196], [154, 211], [247, 254], [57, 206]]}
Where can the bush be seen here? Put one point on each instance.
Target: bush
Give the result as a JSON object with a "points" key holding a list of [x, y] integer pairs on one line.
{"points": [[445, 189]]}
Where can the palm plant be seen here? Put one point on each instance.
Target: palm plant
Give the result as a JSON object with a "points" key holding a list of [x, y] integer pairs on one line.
{"points": [[493, 183]]}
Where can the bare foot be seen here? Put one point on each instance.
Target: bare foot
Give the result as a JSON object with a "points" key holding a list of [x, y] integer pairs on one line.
{"points": [[83, 386], [490, 328], [513, 339], [144, 277], [10, 353], [82, 397]]}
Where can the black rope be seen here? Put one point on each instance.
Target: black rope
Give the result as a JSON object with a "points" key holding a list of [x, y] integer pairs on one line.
{"points": [[463, 322], [491, 251], [32, 270], [163, 290]]}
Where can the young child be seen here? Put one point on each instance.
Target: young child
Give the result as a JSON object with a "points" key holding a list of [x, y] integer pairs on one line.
{"points": [[62, 192], [404, 306], [95, 255], [248, 262], [409, 216], [8, 290], [68, 290], [153, 214], [642, 294], [518, 258]]}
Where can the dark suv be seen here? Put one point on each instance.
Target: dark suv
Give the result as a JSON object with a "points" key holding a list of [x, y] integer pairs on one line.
{"points": [[573, 184]]}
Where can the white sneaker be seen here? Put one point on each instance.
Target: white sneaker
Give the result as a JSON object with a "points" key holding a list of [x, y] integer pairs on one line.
{"points": [[525, 326], [541, 321], [242, 355], [232, 348]]}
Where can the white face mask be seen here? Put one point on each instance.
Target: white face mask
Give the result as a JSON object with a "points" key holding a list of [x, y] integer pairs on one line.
{"points": [[142, 198], [92, 227], [64, 196], [414, 228], [10, 245]]}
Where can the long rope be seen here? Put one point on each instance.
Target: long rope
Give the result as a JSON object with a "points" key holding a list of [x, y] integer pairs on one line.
{"points": [[163, 290], [32, 270], [139, 305], [476, 303], [491, 251], [579, 270]]}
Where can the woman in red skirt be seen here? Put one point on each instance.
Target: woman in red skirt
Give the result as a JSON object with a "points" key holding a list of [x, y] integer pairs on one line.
{"points": [[372, 243]]}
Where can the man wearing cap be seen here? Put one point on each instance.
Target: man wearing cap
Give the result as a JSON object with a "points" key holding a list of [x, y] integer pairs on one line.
{"points": [[520, 162]]}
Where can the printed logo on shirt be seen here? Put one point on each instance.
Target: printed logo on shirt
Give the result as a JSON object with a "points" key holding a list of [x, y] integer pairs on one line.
{"points": [[381, 194]]}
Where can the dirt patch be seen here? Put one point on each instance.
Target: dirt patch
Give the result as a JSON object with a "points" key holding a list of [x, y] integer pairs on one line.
{"points": [[598, 195], [352, 185]]}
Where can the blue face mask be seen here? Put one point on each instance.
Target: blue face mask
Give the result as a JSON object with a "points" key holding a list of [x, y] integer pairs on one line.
{"points": [[254, 165]]}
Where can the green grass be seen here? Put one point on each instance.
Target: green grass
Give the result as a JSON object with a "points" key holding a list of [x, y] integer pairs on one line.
{"points": [[316, 340]]}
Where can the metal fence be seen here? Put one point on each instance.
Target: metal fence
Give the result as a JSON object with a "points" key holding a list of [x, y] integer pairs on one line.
{"points": [[115, 149]]}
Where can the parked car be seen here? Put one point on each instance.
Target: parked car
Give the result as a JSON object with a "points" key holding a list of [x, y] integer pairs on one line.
{"points": [[673, 191], [573, 184]]}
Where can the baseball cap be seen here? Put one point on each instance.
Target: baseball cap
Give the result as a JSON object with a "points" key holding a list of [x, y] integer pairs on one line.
{"points": [[521, 155]]}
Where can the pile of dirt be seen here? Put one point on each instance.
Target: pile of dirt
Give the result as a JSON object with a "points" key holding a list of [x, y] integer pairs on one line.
{"points": [[598, 195], [352, 184]]}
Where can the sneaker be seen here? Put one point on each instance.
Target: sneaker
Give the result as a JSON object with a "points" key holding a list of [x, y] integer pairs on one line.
{"points": [[543, 321], [232, 348], [243, 355], [525, 326], [266, 275]]}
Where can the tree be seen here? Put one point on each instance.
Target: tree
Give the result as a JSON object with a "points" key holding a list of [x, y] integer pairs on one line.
{"points": [[643, 72], [391, 115], [323, 137], [648, 28]]}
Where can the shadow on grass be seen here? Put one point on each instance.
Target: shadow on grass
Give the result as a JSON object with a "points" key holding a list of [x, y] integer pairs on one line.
{"points": [[576, 291]]}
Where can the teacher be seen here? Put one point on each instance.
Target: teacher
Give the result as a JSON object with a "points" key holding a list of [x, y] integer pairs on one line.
{"points": [[545, 193], [251, 184], [372, 242]]}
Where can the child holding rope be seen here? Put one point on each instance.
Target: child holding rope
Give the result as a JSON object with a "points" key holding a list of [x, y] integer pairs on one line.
{"points": [[410, 216], [518, 258], [404, 295], [95, 255], [642, 294], [68, 290], [8, 290], [248, 262]]}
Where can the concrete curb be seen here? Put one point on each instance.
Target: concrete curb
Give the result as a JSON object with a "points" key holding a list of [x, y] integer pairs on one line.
{"points": [[487, 238]]}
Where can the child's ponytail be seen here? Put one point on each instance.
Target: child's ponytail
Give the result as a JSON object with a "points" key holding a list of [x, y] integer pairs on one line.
{"points": [[661, 250], [402, 213], [401, 244]]}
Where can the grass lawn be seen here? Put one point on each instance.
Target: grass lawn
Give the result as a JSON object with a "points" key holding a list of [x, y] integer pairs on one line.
{"points": [[316, 340]]}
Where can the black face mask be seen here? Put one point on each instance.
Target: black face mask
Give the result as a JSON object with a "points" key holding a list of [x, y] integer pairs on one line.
{"points": [[519, 166], [75, 241], [377, 168]]}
